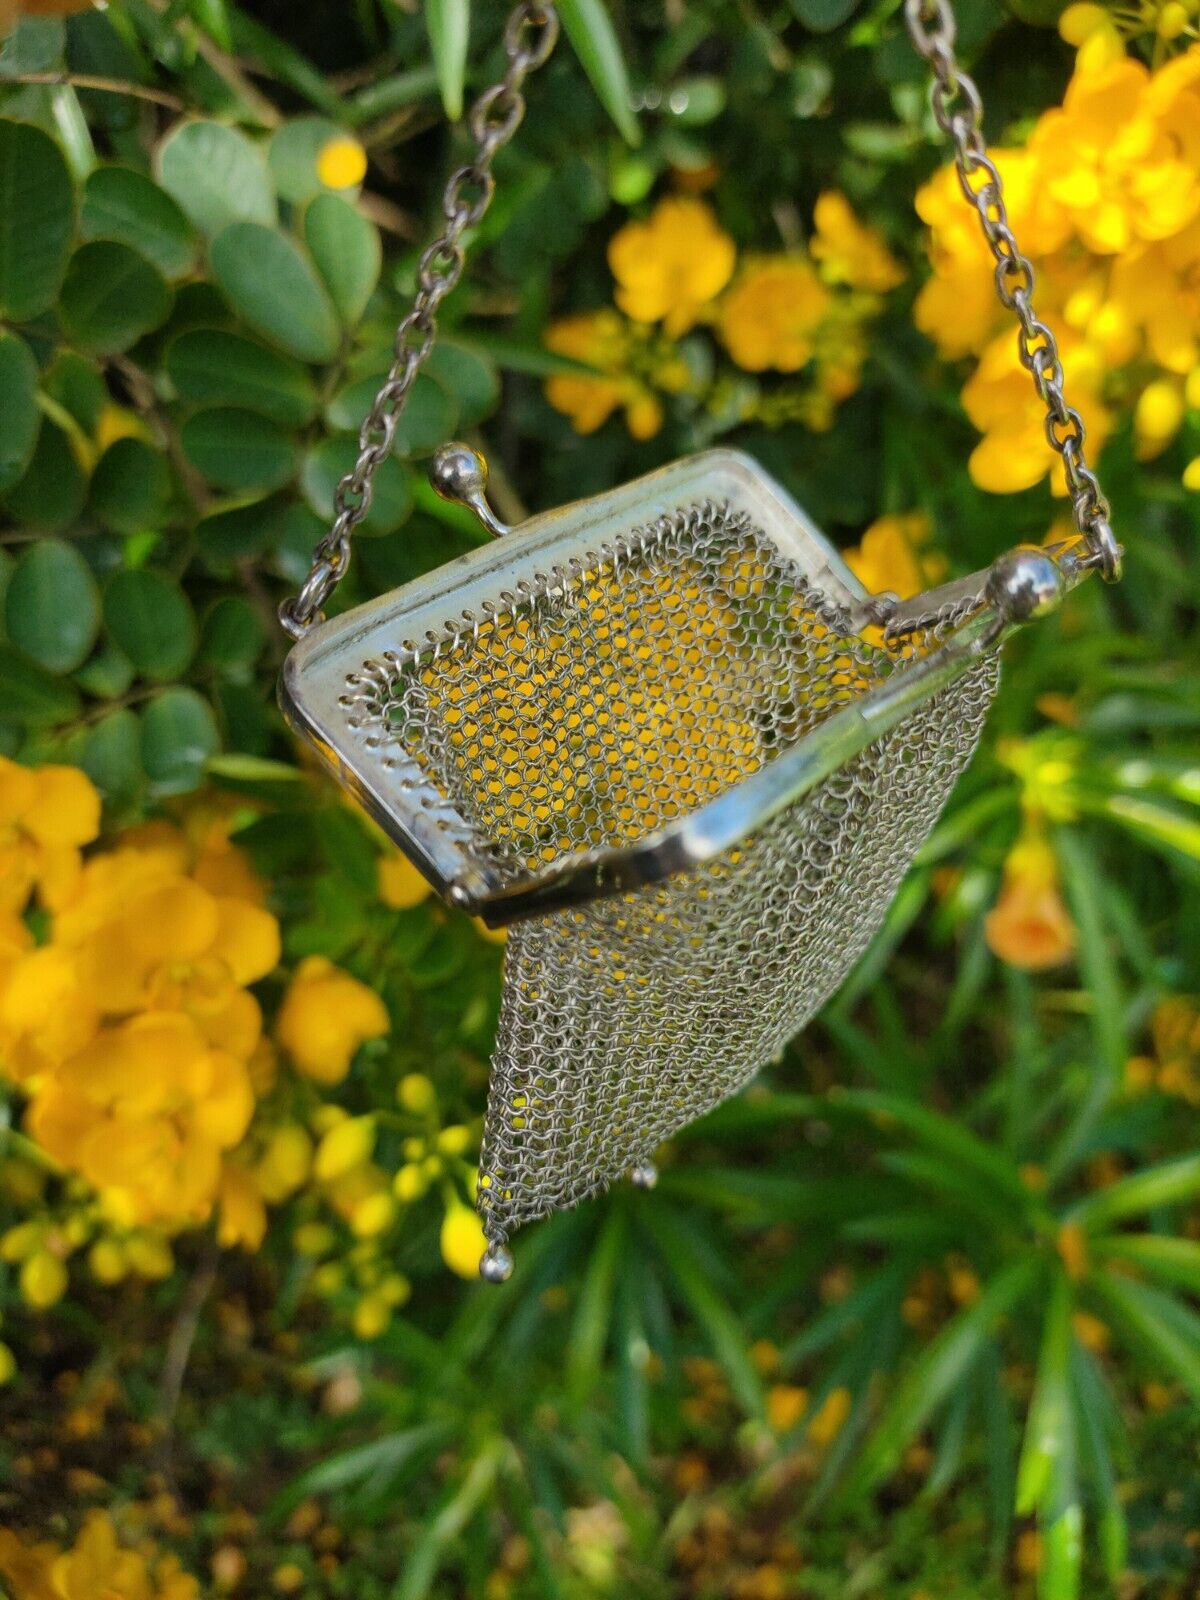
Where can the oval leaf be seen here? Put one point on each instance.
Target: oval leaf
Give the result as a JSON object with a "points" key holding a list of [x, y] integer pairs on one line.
{"points": [[19, 414], [238, 450], [346, 249], [112, 757], [37, 218], [179, 734], [293, 153], [216, 175], [53, 490], [52, 607], [122, 204], [111, 296], [130, 486], [32, 696], [211, 366], [149, 618], [270, 283]]}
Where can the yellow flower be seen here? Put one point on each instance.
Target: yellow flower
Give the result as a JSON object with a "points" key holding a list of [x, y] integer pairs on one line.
{"points": [[46, 814], [342, 163], [285, 1163], [43, 1279], [600, 339], [769, 316], [786, 1404], [144, 1112], [830, 1417], [1030, 926], [345, 1146], [26, 1567], [96, 1568], [325, 1016], [462, 1240], [8, 1371], [241, 1213], [892, 556], [850, 252], [401, 886], [1157, 417], [1003, 404], [672, 266]]}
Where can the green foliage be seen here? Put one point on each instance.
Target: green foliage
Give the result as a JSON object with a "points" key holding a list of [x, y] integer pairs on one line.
{"points": [[923, 1213]]}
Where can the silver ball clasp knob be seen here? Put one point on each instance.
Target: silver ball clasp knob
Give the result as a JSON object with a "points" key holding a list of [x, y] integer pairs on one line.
{"points": [[460, 474], [497, 1264], [1024, 584]]}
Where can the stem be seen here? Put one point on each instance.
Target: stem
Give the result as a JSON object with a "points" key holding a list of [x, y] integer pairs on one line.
{"points": [[88, 80]]}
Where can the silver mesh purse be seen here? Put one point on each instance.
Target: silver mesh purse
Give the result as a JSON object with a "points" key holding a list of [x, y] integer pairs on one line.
{"points": [[664, 733]]}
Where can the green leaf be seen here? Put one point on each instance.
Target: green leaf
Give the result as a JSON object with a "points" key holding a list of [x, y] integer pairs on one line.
{"points": [[1153, 1323], [593, 1313], [19, 414], [1171, 1183], [588, 26], [715, 1316], [466, 375], [216, 175], [328, 463], [292, 154], [179, 734], [238, 450], [822, 16], [1162, 1256], [112, 756], [107, 674], [130, 486], [946, 1140], [345, 247], [231, 637], [1048, 1426], [52, 607], [269, 282], [37, 219], [123, 204], [149, 618], [941, 1366], [32, 696], [53, 490], [449, 26], [379, 1458], [211, 366], [111, 296], [227, 536]]}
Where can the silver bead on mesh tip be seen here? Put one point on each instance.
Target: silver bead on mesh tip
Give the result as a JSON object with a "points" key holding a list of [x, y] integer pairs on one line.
{"points": [[497, 1264]]}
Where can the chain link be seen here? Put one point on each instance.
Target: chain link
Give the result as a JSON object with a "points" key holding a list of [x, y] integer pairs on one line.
{"points": [[529, 37], [958, 110]]}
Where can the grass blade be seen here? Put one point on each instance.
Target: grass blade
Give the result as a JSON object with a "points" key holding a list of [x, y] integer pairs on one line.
{"points": [[449, 25], [589, 28], [941, 1366]]}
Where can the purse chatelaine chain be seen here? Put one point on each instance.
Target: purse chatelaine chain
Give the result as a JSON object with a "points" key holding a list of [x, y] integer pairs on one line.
{"points": [[664, 732]]}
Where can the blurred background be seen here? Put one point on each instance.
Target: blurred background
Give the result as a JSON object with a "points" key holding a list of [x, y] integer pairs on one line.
{"points": [[915, 1316]]}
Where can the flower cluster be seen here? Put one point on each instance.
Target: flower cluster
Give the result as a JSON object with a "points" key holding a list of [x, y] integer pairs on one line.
{"points": [[100, 1565], [1105, 198], [793, 312], [130, 1027]]}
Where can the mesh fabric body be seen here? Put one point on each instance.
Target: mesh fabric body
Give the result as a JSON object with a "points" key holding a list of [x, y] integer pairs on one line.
{"points": [[596, 704]]}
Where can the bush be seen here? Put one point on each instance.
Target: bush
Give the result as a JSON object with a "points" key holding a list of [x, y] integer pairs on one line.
{"points": [[913, 1316]]}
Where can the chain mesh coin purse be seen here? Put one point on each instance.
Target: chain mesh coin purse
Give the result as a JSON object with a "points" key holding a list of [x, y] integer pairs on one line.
{"points": [[664, 733]]}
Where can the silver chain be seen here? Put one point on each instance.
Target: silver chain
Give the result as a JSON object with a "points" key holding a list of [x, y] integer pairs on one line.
{"points": [[529, 37], [958, 110]]}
